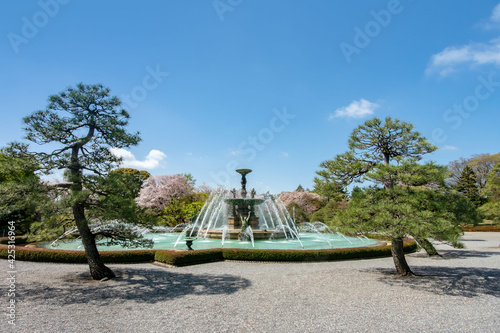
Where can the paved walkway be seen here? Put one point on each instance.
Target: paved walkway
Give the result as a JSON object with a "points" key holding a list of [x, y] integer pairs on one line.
{"points": [[459, 292]]}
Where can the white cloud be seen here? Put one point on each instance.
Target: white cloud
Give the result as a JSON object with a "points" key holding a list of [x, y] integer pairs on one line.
{"points": [[447, 61], [284, 154], [450, 148], [495, 14], [493, 21], [357, 109], [152, 160], [472, 54]]}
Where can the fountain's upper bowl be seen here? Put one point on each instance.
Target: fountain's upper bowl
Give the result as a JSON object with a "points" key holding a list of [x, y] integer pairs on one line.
{"points": [[243, 171]]}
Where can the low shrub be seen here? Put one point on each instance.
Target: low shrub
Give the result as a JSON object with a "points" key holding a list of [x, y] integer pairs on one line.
{"points": [[44, 255], [314, 255], [133, 256], [64, 256], [184, 258], [490, 228]]}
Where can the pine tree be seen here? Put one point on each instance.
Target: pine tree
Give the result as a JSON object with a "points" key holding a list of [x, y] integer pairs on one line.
{"points": [[466, 185], [373, 149], [407, 210], [84, 123]]}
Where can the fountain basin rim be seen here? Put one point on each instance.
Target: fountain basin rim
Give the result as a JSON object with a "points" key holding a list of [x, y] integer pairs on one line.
{"points": [[243, 171], [244, 201]]}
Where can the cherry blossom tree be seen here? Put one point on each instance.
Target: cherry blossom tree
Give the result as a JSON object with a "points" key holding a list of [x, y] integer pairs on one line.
{"points": [[157, 192], [307, 201], [204, 188]]}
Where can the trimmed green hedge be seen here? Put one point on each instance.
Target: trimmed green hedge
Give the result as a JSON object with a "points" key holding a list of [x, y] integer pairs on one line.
{"points": [[314, 255], [64, 256], [132, 256], [490, 228], [183, 258], [45, 255]]}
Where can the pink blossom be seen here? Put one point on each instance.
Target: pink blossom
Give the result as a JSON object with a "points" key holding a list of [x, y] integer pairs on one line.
{"points": [[204, 188], [308, 201], [158, 191]]}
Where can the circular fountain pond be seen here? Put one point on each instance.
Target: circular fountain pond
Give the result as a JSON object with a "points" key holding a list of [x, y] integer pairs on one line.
{"points": [[237, 219], [166, 241]]}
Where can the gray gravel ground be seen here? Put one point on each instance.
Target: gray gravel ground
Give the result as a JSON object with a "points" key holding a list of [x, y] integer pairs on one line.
{"points": [[459, 292]]}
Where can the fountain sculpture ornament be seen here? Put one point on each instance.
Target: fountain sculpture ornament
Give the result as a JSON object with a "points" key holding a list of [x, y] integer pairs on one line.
{"points": [[242, 215]]}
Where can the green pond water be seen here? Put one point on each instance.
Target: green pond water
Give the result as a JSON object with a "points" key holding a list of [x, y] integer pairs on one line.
{"points": [[166, 241]]}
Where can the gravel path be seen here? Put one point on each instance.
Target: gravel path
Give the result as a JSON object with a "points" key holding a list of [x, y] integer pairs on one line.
{"points": [[459, 292]]}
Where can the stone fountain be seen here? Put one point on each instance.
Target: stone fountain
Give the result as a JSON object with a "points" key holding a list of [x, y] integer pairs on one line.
{"points": [[242, 207]]}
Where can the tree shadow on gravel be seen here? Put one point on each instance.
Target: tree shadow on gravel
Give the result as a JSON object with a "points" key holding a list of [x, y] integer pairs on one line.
{"points": [[452, 281], [457, 254], [464, 254], [137, 285]]}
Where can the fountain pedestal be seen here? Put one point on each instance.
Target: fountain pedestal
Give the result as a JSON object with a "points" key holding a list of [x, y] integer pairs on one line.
{"points": [[234, 222], [242, 206]]}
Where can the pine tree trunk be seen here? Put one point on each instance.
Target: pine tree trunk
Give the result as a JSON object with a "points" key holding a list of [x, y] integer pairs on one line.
{"points": [[398, 256], [427, 246], [98, 270]]}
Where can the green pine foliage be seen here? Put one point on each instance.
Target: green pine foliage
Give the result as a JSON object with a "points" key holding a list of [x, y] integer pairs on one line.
{"points": [[22, 194], [466, 185], [82, 125], [299, 188], [373, 144], [409, 198], [327, 213], [404, 210], [131, 178], [328, 188], [491, 209]]}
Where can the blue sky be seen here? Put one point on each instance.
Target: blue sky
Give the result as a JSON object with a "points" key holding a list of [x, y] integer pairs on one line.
{"points": [[275, 86]]}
